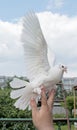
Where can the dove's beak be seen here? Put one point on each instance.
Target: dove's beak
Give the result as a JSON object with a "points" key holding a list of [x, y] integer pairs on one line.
{"points": [[65, 69]]}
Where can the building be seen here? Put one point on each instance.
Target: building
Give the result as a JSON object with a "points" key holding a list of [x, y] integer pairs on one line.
{"points": [[69, 83], [4, 81]]}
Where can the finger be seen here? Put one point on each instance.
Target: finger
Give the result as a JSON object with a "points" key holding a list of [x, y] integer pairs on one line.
{"points": [[43, 99], [51, 99], [33, 105]]}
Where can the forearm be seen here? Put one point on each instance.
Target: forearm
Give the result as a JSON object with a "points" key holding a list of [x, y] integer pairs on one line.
{"points": [[45, 127]]}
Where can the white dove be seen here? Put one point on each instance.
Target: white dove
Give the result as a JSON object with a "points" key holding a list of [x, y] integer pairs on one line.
{"points": [[38, 69]]}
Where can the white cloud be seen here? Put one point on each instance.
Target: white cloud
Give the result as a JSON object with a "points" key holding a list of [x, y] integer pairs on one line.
{"points": [[9, 38], [11, 51], [60, 32], [54, 4]]}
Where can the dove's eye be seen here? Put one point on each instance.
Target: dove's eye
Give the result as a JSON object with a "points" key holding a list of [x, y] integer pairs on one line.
{"points": [[62, 66]]}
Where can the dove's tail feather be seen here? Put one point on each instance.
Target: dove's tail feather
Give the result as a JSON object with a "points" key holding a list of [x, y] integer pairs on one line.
{"points": [[24, 95], [18, 83], [17, 93], [24, 101]]}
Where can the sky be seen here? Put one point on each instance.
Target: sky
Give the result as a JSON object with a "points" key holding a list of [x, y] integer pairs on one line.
{"points": [[58, 20]]}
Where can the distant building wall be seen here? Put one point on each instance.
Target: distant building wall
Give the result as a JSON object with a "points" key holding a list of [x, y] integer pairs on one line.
{"points": [[69, 83], [58, 109]]}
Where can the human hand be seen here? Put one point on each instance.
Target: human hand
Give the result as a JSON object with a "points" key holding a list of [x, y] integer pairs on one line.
{"points": [[42, 118]]}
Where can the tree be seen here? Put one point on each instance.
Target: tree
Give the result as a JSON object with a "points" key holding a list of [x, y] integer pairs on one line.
{"points": [[70, 104], [7, 109]]}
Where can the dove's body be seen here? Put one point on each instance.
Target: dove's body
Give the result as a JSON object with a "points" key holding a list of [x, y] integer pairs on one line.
{"points": [[53, 77], [38, 69]]}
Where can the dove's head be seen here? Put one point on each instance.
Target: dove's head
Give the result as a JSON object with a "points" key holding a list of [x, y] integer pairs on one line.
{"points": [[63, 68]]}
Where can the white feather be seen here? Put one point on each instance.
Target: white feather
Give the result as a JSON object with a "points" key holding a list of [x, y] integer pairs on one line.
{"points": [[18, 83], [24, 101], [17, 93], [35, 47]]}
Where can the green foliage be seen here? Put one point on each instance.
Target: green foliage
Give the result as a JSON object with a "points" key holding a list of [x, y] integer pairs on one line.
{"points": [[7, 110], [59, 94], [59, 116], [70, 104], [64, 127]]}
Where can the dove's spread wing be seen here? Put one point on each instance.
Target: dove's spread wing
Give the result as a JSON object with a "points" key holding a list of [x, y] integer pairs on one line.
{"points": [[35, 47], [51, 57]]}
